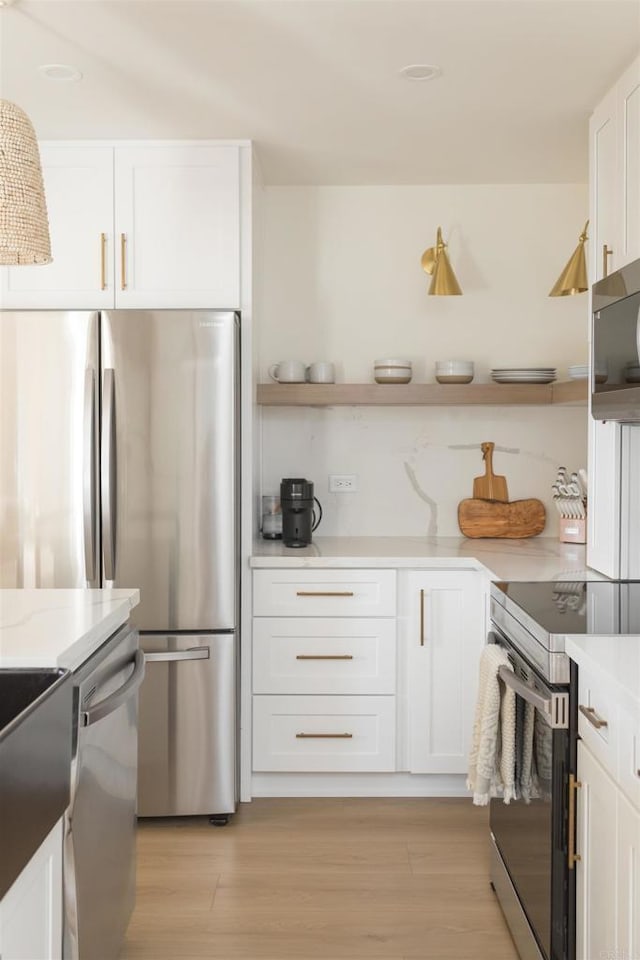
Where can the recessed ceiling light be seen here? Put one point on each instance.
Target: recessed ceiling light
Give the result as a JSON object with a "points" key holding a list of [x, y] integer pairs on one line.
{"points": [[420, 71], [60, 71]]}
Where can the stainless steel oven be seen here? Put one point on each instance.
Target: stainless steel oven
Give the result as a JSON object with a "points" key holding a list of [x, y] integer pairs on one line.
{"points": [[615, 346], [531, 837]]}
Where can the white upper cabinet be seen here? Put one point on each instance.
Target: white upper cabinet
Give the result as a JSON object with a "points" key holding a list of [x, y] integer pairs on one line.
{"points": [[147, 225], [614, 162], [79, 189]]}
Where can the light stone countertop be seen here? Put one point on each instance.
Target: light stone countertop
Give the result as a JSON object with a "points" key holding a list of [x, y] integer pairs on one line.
{"points": [[59, 628], [536, 558], [615, 657]]}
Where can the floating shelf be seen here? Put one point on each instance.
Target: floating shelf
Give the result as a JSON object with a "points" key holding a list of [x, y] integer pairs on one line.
{"points": [[419, 394]]}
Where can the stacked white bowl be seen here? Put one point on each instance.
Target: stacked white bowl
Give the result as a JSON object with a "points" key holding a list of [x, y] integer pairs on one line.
{"points": [[391, 370], [580, 371], [454, 371]]}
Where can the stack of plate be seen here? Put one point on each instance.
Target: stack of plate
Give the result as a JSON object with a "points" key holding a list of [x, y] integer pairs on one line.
{"points": [[524, 374]]}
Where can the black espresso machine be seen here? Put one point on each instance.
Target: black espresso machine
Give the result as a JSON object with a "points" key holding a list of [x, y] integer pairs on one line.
{"points": [[299, 518]]}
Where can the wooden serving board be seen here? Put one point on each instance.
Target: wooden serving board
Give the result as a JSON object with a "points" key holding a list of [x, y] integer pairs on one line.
{"points": [[492, 518]]}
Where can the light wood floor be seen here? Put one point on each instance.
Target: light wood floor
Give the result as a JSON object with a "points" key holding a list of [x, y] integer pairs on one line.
{"points": [[339, 879]]}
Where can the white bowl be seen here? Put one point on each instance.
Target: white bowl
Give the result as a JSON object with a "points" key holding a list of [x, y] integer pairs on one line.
{"points": [[454, 367], [454, 377], [390, 370]]}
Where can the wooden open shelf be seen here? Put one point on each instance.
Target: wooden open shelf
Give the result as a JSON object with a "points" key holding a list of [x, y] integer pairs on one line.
{"points": [[419, 394]]}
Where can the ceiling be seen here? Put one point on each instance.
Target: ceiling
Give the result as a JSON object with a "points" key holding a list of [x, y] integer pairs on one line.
{"points": [[316, 84]]}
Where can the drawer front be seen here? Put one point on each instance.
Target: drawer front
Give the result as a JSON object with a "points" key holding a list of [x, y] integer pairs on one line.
{"points": [[598, 719], [324, 593], [324, 734], [324, 655], [629, 757]]}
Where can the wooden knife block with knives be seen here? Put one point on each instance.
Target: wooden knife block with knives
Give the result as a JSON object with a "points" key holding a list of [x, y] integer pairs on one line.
{"points": [[490, 514]]}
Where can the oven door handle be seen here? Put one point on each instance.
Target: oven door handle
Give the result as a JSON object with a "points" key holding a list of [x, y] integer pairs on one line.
{"points": [[555, 706]]}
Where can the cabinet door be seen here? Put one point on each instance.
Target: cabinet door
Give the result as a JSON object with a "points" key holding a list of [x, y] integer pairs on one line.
{"points": [[79, 190], [177, 216], [596, 869], [628, 871], [628, 89], [604, 178], [445, 635], [603, 521]]}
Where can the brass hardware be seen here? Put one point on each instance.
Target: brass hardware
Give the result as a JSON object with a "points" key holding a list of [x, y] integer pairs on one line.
{"points": [[324, 736], [573, 278], [592, 717], [435, 262], [123, 261], [103, 261], [606, 252], [422, 618], [572, 856], [324, 593], [313, 656]]}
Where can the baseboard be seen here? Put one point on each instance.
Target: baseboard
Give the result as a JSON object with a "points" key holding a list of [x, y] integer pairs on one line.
{"points": [[358, 785]]}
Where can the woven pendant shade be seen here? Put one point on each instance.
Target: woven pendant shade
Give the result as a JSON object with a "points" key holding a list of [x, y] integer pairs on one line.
{"points": [[24, 227]]}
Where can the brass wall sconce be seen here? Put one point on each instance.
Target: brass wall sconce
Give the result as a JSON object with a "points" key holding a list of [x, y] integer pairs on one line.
{"points": [[435, 262], [573, 278]]}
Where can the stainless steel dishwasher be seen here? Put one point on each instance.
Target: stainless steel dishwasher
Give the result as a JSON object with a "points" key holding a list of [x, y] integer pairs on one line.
{"points": [[100, 823]]}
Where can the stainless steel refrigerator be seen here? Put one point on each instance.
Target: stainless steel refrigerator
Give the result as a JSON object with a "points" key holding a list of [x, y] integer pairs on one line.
{"points": [[119, 467]]}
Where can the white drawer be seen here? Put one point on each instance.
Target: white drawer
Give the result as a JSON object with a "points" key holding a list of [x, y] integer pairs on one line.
{"points": [[324, 593], [598, 719], [324, 734], [629, 757], [324, 655]]}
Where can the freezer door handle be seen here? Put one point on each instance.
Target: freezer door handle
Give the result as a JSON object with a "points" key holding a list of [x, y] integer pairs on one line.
{"points": [[115, 700], [108, 474], [89, 477], [193, 653]]}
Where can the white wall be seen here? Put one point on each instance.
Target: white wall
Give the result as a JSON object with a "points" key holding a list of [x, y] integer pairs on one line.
{"points": [[342, 282]]}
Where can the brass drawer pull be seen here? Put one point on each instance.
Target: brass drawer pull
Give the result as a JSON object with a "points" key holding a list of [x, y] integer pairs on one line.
{"points": [[324, 736], [123, 261], [324, 593], [323, 656], [572, 856], [592, 717]]}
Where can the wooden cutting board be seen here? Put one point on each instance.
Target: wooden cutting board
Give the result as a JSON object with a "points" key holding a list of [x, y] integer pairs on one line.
{"points": [[489, 487], [491, 518]]}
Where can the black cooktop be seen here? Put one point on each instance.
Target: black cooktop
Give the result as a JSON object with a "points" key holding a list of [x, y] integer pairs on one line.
{"points": [[608, 607]]}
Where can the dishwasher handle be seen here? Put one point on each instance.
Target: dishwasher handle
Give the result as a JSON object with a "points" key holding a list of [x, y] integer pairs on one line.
{"points": [[115, 700], [170, 656]]}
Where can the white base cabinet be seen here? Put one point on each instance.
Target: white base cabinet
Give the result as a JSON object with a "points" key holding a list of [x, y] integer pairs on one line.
{"points": [[31, 911], [445, 636]]}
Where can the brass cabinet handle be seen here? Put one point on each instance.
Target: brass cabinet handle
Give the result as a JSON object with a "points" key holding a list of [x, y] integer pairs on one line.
{"points": [[103, 261], [324, 736], [123, 261], [324, 593], [323, 656], [572, 856], [422, 618], [606, 252], [592, 717]]}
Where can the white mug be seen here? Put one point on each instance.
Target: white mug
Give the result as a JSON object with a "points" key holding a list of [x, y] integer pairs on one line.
{"points": [[288, 371], [321, 372]]}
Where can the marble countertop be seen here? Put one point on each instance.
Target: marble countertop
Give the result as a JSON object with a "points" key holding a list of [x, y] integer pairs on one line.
{"points": [[615, 657], [59, 628], [536, 558]]}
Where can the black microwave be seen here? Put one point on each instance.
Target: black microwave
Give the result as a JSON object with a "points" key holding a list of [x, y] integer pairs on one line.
{"points": [[615, 346]]}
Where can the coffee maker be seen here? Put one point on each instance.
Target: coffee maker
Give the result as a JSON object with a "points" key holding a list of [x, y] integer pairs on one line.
{"points": [[298, 515]]}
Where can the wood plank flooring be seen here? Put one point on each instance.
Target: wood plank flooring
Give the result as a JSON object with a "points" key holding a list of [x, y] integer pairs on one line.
{"points": [[321, 879]]}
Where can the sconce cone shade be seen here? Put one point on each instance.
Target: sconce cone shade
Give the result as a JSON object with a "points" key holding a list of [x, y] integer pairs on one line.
{"points": [[436, 263], [573, 278], [24, 226]]}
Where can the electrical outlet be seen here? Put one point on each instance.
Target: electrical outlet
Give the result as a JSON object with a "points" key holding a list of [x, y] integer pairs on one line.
{"points": [[343, 483]]}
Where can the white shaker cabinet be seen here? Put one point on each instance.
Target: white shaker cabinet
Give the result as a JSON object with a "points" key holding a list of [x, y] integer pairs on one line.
{"points": [[444, 635], [136, 225], [31, 910], [628, 872]]}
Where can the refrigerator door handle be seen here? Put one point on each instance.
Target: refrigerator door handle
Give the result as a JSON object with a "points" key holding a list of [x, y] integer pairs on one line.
{"points": [[193, 653], [108, 474], [89, 477]]}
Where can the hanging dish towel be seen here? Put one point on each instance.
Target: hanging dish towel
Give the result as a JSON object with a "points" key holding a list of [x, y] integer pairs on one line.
{"points": [[492, 757]]}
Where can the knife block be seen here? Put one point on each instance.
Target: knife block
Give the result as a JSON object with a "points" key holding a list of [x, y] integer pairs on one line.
{"points": [[573, 530]]}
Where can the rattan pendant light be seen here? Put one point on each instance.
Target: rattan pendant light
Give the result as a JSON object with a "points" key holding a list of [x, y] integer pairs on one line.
{"points": [[24, 226]]}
